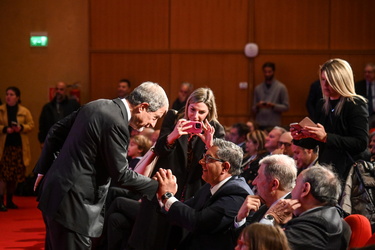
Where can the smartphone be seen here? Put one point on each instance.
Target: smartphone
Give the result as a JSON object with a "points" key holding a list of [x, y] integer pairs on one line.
{"points": [[196, 127], [14, 124], [296, 126]]}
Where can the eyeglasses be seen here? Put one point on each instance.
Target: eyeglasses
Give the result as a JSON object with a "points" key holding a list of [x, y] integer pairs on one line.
{"points": [[209, 159], [286, 144]]}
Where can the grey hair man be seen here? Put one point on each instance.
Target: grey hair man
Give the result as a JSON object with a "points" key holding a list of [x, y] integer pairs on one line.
{"points": [[92, 146], [318, 224], [275, 180]]}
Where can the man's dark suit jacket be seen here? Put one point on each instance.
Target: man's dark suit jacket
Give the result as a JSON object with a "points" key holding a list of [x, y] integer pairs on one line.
{"points": [[92, 145], [208, 219], [320, 228]]}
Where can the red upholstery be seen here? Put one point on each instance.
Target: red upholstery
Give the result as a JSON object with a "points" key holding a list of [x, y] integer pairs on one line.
{"points": [[361, 230], [371, 241]]}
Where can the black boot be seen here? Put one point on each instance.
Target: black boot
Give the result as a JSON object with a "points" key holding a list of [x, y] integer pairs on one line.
{"points": [[10, 203], [2, 206]]}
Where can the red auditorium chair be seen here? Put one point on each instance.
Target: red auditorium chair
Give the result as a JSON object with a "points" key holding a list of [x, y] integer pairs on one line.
{"points": [[361, 230]]}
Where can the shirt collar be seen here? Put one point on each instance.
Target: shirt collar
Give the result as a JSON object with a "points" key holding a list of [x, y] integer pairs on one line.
{"points": [[217, 186], [127, 108]]}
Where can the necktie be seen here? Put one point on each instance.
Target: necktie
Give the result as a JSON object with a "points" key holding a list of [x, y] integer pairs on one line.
{"points": [[369, 95]]}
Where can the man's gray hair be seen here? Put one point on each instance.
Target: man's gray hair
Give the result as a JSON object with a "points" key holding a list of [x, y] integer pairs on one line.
{"points": [[325, 185], [151, 93], [281, 167], [230, 152]]}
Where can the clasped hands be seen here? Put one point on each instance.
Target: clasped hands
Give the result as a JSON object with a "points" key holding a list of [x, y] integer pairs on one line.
{"points": [[167, 182]]}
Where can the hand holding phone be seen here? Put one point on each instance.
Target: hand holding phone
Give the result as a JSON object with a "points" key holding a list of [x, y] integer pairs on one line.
{"points": [[195, 127]]}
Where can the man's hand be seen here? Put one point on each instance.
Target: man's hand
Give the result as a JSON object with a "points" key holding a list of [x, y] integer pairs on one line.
{"points": [[167, 182], [282, 211], [251, 203]]}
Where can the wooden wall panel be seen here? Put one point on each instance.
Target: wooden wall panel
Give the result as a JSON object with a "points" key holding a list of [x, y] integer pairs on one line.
{"points": [[352, 24], [292, 24], [128, 24], [207, 24], [221, 73], [108, 69]]}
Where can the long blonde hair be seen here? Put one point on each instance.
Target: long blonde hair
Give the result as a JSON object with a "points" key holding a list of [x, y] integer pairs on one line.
{"points": [[206, 96], [340, 77]]}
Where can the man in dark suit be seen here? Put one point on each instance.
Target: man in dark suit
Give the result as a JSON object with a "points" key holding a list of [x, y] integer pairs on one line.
{"points": [[366, 88], [275, 180], [91, 145], [207, 216], [318, 224]]}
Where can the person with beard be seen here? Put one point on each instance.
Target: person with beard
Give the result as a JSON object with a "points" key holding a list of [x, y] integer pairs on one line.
{"points": [[270, 99], [60, 106]]}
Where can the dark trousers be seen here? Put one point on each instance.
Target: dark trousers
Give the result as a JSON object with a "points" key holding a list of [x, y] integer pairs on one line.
{"points": [[59, 237]]}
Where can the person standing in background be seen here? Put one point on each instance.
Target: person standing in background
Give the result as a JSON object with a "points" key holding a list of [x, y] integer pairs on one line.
{"points": [[270, 99], [60, 106], [185, 90], [315, 94], [123, 88], [15, 123], [366, 88]]}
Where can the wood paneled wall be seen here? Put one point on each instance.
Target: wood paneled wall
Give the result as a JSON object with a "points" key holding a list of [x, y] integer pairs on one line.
{"points": [[202, 41]]}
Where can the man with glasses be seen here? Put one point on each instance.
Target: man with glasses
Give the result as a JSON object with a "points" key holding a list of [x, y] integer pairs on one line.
{"points": [[284, 145], [206, 218]]}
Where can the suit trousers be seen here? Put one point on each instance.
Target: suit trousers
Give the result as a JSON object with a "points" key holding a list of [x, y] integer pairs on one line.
{"points": [[59, 237]]}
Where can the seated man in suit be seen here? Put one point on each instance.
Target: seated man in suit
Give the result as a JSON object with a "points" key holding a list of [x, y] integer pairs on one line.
{"points": [[275, 180], [208, 215], [318, 224]]}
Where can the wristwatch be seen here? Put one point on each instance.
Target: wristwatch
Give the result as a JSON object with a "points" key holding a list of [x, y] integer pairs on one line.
{"points": [[166, 196], [270, 218]]}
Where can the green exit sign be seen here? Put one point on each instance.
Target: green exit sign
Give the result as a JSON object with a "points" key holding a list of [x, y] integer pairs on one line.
{"points": [[38, 39]]}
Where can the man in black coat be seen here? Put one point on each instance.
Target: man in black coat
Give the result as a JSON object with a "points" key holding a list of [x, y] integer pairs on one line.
{"points": [[60, 107], [366, 88], [207, 217], [318, 224], [91, 145]]}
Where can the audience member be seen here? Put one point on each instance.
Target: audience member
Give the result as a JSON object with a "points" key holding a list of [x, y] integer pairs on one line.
{"points": [[305, 157], [372, 145], [342, 125], [270, 99], [60, 106], [255, 152], [366, 88], [272, 139], [259, 236], [315, 94], [237, 135], [180, 150], [123, 88], [276, 179], [186, 89], [208, 215], [252, 125], [15, 124], [284, 145], [138, 147], [318, 224], [93, 147]]}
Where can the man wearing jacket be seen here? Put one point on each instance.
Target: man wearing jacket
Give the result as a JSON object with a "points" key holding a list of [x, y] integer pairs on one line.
{"points": [[91, 147]]}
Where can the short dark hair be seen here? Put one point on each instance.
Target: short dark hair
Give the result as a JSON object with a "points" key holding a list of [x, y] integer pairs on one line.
{"points": [[269, 65], [127, 81], [16, 91], [242, 129]]}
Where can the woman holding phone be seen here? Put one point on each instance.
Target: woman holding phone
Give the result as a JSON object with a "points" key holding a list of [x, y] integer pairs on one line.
{"points": [[15, 123], [182, 143], [342, 119]]}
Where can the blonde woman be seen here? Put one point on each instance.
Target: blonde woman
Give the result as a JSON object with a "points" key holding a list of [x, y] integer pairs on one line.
{"points": [[341, 117]]}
